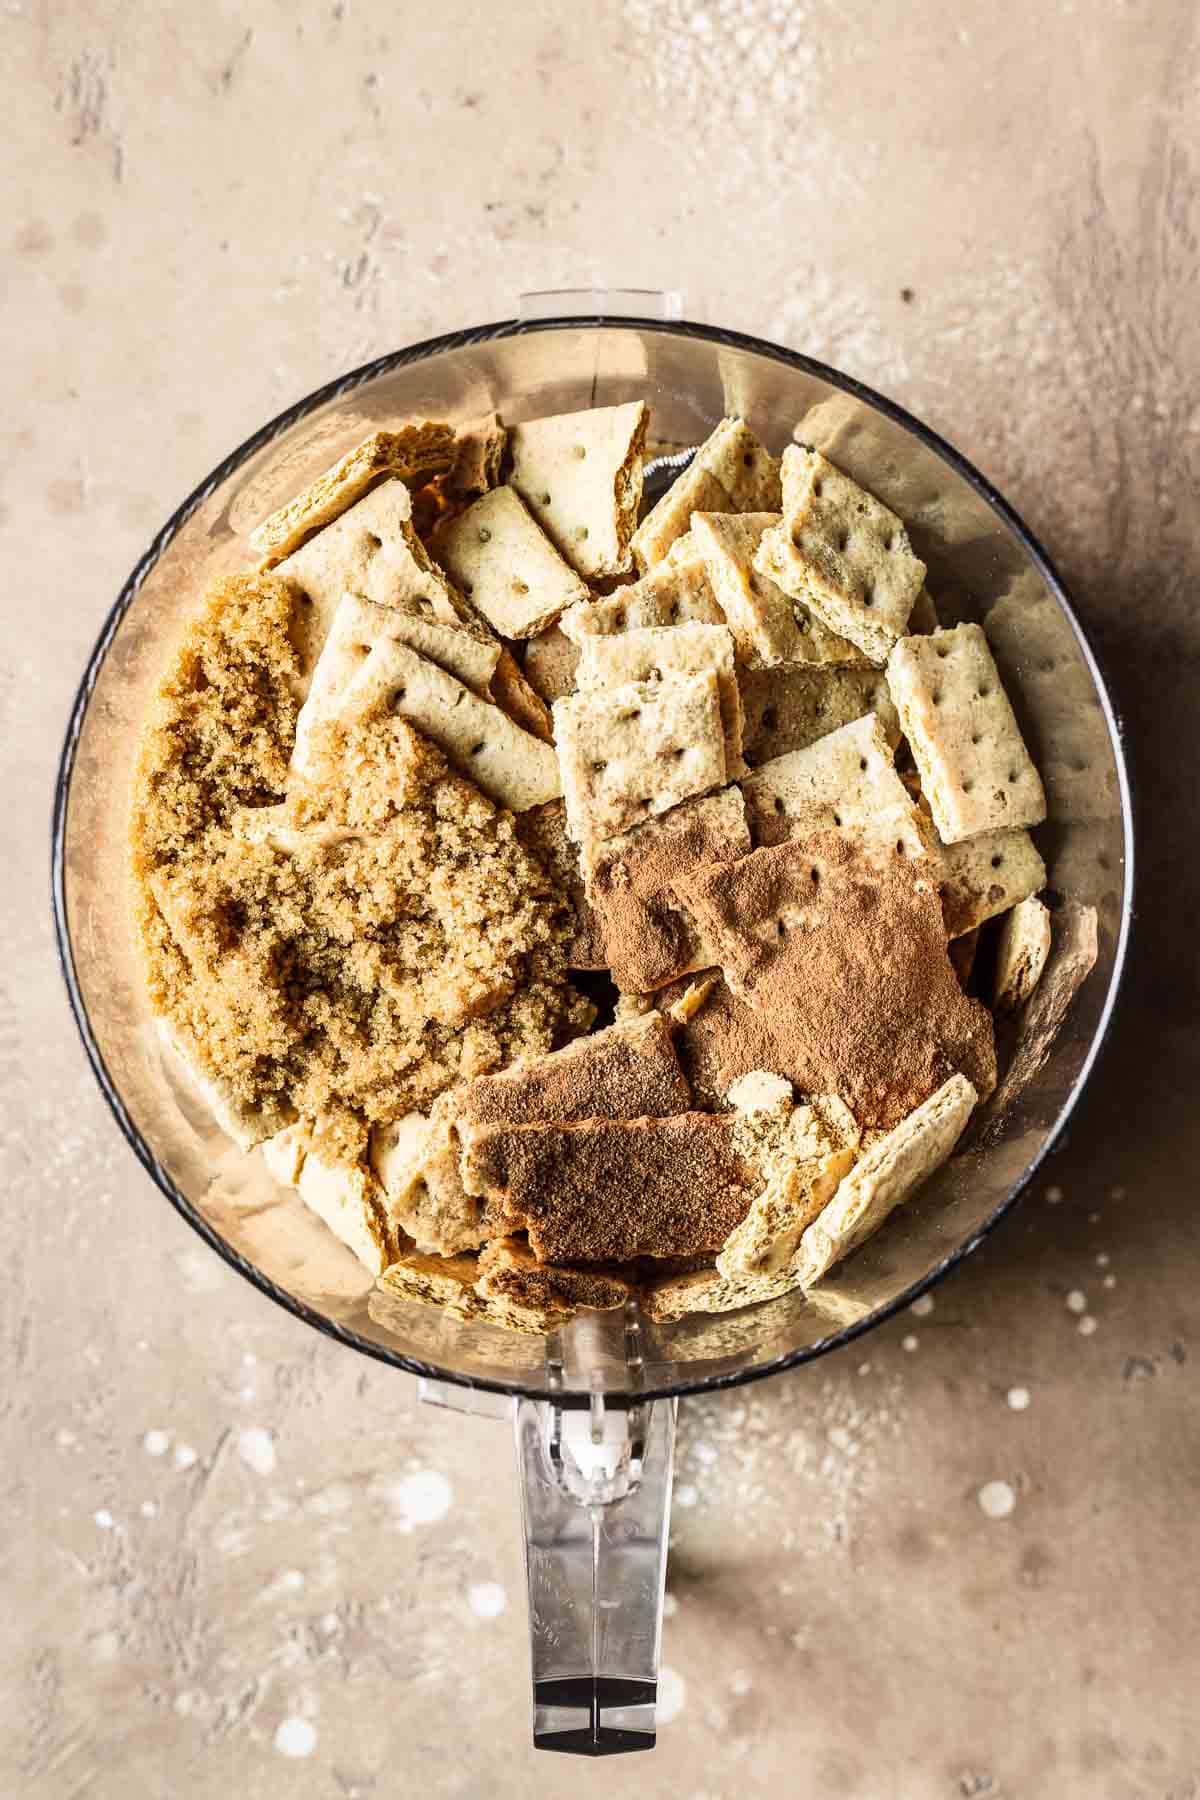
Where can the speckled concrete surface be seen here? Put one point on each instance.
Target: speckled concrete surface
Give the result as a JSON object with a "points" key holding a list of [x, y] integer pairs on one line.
{"points": [[238, 1560]]}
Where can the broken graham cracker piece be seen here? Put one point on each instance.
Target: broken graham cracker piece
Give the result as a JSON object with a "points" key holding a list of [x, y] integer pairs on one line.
{"points": [[986, 875], [647, 935], [627, 1071], [654, 654], [803, 1161], [674, 1297], [507, 764], [415, 453], [730, 472], [359, 666], [373, 552], [842, 553], [689, 1002], [789, 708], [524, 707], [549, 664], [846, 779], [769, 626], [506, 565], [609, 1190], [449, 1283], [416, 1162], [1074, 946], [344, 1195], [508, 1270], [629, 753], [478, 454], [885, 1176], [976, 773], [1021, 954], [580, 475], [836, 958]]}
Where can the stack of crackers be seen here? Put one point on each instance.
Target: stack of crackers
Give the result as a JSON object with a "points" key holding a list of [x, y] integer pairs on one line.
{"points": [[781, 803]]}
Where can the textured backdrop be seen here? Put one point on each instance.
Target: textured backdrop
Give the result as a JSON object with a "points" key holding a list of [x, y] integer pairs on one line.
{"points": [[236, 1559]]}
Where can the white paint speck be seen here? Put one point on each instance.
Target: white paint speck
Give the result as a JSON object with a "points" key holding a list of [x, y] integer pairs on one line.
{"points": [[909, 1343], [184, 1456], [922, 1306], [1116, 1193], [104, 1519], [295, 1737], [148, 1508], [1087, 1325], [996, 1499], [672, 1695], [864, 1368], [1019, 1398], [705, 1454], [1110, 1281], [64, 1439], [1054, 1196], [1076, 1301], [421, 1498], [256, 1447], [331, 1624], [156, 1443], [686, 1495], [487, 1599], [1103, 1259], [670, 1606]]}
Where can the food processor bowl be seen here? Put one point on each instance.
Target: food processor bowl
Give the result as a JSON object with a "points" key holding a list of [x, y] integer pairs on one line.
{"points": [[594, 1404]]}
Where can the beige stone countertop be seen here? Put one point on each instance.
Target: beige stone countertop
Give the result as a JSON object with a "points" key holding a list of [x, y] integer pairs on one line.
{"points": [[208, 1529]]}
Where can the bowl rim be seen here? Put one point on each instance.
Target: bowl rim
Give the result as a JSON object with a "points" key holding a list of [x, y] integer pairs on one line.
{"points": [[265, 435]]}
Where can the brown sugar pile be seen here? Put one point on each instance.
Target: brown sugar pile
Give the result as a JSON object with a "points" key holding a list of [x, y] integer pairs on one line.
{"points": [[846, 985], [348, 956]]}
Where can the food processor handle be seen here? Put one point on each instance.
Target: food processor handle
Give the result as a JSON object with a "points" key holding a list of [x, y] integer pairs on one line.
{"points": [[601, 303], [596, 1508]]}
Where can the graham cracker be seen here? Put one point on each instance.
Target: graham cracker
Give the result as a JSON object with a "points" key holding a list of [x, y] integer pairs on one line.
{"points": [[803, 1171], [986, 875], [507, 764], [550, 662], [344, 1196], [628, 753], [976, 773], [509, 1271], [371, 551], [843, 553], [415, 453], [1021, 954], [358, 664], [506, 565], [626, 1071], [418, 1168], [769, 626], [1074, 946], [524, 707], [846, 779], [448, 1282], [580, 474], [610, 1190], [730, 472], [837, 961], [647, 936], [789, 708], [674, 1297], [886, 1175], [658, 653], [677, 591], [478, 455]]}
